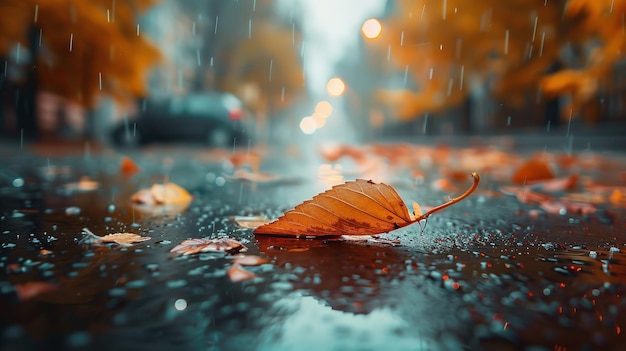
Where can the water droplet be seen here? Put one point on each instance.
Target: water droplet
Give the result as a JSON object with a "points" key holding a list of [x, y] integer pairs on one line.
{"points": [[72, 211], [180, 304]]}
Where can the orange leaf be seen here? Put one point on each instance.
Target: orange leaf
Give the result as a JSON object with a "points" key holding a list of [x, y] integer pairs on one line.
{"points": [[128, 167], [237, 274], [532, 170], [170, 193], [358, 207], [162, 194], [124, 239], [194, 246], [557, 184], [250, 260], [30, 290]]}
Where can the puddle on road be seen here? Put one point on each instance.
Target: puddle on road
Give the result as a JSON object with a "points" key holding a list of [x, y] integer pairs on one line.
{"points": [[485, 274]]}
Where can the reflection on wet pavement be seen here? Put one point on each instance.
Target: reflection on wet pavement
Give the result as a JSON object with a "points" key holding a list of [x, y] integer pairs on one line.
{"points": [[490, 273]]}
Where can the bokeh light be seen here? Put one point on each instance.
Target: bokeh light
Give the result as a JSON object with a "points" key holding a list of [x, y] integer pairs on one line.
{"points": [[308, 125], [324, 108], [371, 28], [335, 87]]}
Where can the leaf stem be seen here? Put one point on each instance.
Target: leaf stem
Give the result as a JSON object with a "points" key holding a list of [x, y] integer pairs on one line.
{"points": [[467, 193]]}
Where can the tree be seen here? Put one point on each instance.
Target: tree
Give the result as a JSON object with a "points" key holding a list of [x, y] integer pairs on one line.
{"points": [[455, 47], [79, 50]]}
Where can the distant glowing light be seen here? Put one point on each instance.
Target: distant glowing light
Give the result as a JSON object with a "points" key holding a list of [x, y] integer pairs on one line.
{"points": [[324, 108], [180, 304], [371, 28], [308, 125], [335, 87]]}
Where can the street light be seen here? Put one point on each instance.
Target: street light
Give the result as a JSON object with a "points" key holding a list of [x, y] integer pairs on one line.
{"points": [[371, 28]]}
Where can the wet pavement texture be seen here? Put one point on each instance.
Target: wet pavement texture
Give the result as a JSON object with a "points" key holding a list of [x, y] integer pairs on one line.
{"points": [[485, 274]]}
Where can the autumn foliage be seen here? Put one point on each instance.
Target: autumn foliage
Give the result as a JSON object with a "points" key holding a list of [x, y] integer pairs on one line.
{"points": [[84, 48], [509, 48]]}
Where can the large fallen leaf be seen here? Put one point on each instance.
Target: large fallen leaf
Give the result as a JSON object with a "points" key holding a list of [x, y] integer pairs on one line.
{"points": [[358, 207]]}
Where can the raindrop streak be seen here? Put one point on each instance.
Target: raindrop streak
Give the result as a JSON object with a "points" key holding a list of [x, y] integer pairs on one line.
{"points": [[282, 94], [462, 75], [535, 29], [108, 16], [137, 29], [100, 79], [543, 38], [216, 21], [40, 36], [389, 52], [250, 28], [37, 13], [198, 57], [402, 39], [611, 8], [425, 123], [271, 66], [193, 28], [445, 5], [71, 41], [254, 6], [506, 42]]}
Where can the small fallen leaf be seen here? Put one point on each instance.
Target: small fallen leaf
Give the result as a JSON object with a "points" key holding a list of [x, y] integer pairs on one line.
{"points": [[250, 221], [124, 239], [162, 194], [250, 260], [84, 184], [237, 274], [556, 184], [358, 207], [194, 246], [30, 290], [170, 193], [128, 167], [532, 170], [253, 177], [144, 196]]}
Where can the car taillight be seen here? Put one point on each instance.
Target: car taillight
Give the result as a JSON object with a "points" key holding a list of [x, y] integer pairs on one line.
{"points": [[235, 114]]}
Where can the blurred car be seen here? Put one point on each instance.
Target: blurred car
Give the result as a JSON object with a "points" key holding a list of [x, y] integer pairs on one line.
{"points": [[213, 118]]}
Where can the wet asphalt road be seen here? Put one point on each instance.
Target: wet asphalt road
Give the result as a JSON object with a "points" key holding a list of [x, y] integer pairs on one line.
{"points": [[483, 276]]}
